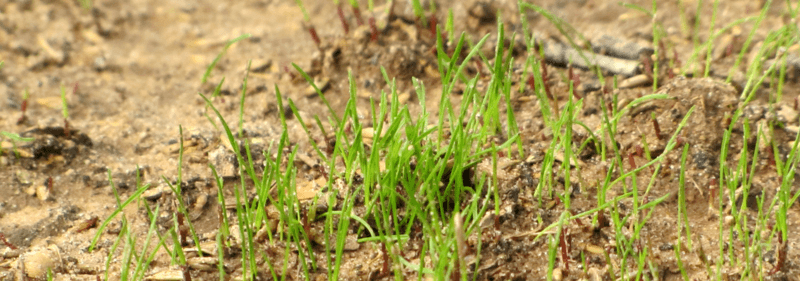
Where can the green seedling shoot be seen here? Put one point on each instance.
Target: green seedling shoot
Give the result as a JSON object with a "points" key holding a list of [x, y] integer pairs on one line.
{"points": [[24, 107], [14, 138], [307, 21], [357, 12], [64, 109]]}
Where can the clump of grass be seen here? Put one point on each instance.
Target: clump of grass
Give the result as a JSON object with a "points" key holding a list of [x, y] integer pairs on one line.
{"points": [[429, 195]]}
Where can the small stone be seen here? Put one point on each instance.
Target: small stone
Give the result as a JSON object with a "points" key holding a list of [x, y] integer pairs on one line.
{"points": [[260, 65], [729, 220], [43, 193], [404, 98], [172, 274], [38, 262], [224, 162], [208, 264], [153, 194], [787, 114], [635, 81], [557, 275], [100, 63], [595, 274]]}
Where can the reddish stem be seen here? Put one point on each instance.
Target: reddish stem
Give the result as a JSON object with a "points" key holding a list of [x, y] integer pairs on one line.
{"points": [[50, 184], [675, 57], [782, 252], [182, 231], [657, 128], [564, 257], [374, 27], [66, 128], [631, 161], [531, 81], [345, 26], [8, 244], [385, 267], [22, 118], [314, 36], [544, 82], [432, 22], [186, 275], [357, 12]]}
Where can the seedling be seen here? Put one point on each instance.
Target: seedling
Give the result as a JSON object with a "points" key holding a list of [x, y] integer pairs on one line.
{"points": [[219, 56], [14, 138], [564, 250], [307, 22], [356, 12], [65, 110], [418, 11], [783, 249], [340, 11], [24, 107], [372, 25]]}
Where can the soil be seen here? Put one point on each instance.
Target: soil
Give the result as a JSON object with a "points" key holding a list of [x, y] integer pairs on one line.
{"points": [[132, 73]]}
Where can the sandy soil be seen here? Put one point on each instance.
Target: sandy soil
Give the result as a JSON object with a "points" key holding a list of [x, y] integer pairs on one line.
{"points": [[137, 68]]}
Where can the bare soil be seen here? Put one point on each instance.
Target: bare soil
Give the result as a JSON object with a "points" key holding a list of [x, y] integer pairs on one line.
{"points": [[137, 67]]}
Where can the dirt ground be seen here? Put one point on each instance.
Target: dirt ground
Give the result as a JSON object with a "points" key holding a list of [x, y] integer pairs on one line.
{"points": [[137, 67]]}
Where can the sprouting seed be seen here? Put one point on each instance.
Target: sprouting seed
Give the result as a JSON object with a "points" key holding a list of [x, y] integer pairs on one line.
{"points": [[24, 107]]}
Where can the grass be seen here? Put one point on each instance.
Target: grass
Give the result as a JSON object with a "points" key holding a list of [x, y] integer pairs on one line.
{"points": [[14, 138], [407, 172]]}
